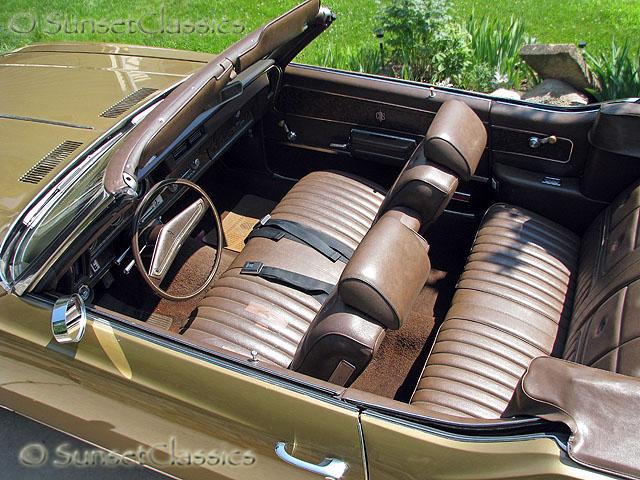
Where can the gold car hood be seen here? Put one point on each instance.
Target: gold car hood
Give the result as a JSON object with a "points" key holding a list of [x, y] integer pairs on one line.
{"points": [[56, 100]]}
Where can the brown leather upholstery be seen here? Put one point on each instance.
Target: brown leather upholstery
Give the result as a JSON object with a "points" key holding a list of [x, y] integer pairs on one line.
{"points": [[339, 344], [387, 272], [242, 313], [376, 291], [421, 190], [513, 298], [456, 139], [574, 394], [333, 203], [531, 288]]}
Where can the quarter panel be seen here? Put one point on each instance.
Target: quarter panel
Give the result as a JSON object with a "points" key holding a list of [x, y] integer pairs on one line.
{"points": [[397, 450]]}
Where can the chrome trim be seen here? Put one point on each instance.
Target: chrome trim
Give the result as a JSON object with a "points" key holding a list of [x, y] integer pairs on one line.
{"points": [[45, 121], [68, 319], [363, 449], [329, 468], [462, 93], [464, 438], [461, 197]]}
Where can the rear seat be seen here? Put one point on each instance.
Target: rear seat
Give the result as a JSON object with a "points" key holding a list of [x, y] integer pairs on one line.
{"points": [[325, 315], [532, 288]]}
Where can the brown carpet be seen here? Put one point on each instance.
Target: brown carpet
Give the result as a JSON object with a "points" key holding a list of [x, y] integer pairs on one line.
{"points": [[193, 266], [402, 351], [397, 366], [195, 258]]}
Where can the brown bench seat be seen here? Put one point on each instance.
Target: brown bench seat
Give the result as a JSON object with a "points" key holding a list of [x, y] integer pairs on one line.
{"points": [[532, 288]]}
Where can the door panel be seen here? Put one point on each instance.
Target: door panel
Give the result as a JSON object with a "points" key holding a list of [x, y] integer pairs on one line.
{"points": [[322, 107], [543, 177], [119, 391], [398, 450], [513, 125]]}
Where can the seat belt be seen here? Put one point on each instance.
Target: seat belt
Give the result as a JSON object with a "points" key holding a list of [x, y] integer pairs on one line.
{"points": [[277, 229], [314, 287]]}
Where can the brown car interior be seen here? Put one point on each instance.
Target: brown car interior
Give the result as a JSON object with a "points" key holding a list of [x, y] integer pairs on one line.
{"points": [[412, 244]]}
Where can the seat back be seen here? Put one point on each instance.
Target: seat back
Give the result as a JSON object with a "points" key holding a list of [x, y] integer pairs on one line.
{"points": [[451, 151], [375, 292], [604, 331]]}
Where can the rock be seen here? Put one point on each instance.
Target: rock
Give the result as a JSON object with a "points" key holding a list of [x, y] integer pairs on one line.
{"points": [[504, 93], [556, 92], [560, 61]]}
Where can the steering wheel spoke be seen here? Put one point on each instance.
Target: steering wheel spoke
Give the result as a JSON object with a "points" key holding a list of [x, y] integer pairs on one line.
{"points": [[171, 236]]}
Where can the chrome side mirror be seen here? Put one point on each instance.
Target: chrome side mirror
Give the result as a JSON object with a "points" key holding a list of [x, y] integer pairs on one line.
{"points": [[69, 319]]}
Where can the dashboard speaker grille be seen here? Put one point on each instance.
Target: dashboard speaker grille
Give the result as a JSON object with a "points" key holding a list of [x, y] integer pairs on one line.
{"points": [[50, 161], [127, 102]]}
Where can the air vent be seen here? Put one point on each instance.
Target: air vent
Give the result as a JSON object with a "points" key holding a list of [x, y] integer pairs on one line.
{"points": [[41, 169], [127, 102]]}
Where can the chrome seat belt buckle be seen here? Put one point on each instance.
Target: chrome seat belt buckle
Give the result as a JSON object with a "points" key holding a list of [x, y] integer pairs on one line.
{"points": [[252, 268], [262, 222]]}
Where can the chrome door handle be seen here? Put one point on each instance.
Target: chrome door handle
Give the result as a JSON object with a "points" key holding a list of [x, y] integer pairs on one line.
{"points": [[330, 468]]}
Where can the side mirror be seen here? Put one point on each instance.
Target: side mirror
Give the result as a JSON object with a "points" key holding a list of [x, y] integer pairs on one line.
{"points": [[68, 319]]}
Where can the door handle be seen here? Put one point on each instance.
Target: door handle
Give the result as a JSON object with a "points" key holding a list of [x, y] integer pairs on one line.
{"points": [[330, 468]]}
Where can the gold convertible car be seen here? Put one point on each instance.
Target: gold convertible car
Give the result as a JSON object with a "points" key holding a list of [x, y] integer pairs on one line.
{"points": [[249, 268]]}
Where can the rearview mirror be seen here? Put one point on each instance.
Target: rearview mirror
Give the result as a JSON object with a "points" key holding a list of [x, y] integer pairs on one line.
{"points": [[69, 319]]}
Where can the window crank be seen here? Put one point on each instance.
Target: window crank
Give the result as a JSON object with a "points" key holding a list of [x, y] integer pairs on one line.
{"points": [[291, 135], [537, 142]]}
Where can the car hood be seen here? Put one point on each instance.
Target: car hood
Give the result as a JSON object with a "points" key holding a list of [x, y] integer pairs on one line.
{"points": [[57, 100]]}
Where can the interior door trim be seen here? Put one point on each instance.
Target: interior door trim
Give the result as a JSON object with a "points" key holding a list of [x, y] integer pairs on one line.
{"points": [[529, 132]]}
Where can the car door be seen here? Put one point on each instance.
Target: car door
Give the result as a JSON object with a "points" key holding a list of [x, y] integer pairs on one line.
{"points": [[172, 408], [400, 449], [342, 120], [536, 155]]}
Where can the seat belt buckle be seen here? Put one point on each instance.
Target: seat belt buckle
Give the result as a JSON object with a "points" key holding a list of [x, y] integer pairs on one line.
{"points": [[262, 222], [251, 268]]}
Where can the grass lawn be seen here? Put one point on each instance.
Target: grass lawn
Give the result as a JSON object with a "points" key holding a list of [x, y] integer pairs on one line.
{"points": [[594, 21]]}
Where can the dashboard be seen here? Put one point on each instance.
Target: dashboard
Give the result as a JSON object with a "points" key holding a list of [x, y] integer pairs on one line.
{"points": [[189, 156]]}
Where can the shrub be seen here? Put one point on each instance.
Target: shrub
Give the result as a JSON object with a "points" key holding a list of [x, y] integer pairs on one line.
{"points": [[497, 44], [423, 41], [616, 73]]}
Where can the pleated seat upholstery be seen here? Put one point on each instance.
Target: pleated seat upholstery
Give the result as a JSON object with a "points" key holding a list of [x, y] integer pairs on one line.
{"points": [[512, 304], [332, 203]]}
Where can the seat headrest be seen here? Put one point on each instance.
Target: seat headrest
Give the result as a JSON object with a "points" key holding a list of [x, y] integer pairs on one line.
{"points": [[387, 271], [456, 139]]}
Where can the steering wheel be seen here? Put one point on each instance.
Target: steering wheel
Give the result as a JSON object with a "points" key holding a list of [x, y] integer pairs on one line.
{"points": [[170, 236]]}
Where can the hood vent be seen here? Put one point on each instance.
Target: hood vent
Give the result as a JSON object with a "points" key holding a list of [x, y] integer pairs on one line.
{"points": [[41, 169], [117, 109]]}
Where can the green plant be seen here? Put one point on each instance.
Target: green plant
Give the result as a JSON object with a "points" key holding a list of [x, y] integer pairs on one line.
{"points": [[423, 41], [497, 44], [616, 73], [365, 59]]}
